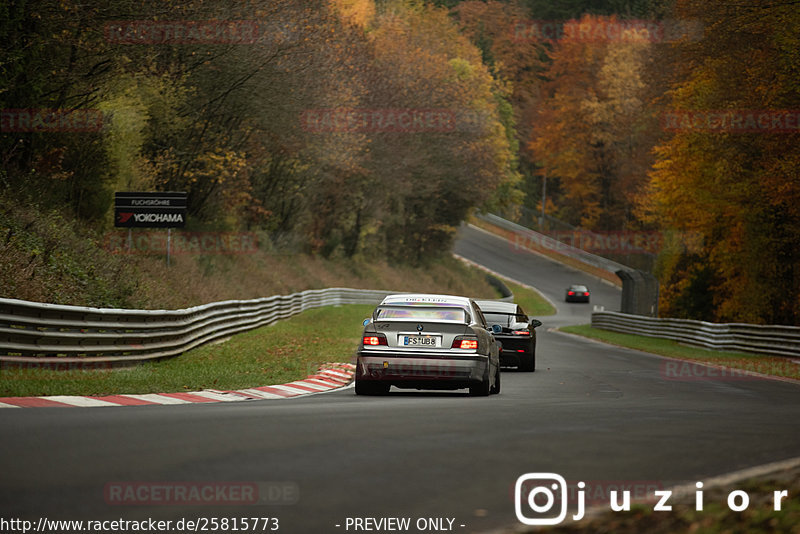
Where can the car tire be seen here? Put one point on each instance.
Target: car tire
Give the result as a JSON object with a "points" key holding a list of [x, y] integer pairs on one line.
{"points": [[496, 388], [371, 388], [482, 388], [528, 365]]}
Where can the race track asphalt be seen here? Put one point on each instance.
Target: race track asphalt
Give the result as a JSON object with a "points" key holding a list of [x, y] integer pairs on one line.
{"points": [[590, 412]]}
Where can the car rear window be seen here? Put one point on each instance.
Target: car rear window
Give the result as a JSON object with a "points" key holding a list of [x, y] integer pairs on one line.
{"points": [[419, 313], [504, 319]]}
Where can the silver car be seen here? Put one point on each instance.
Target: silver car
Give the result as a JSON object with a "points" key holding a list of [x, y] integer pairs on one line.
{"points": [[423, 341]]}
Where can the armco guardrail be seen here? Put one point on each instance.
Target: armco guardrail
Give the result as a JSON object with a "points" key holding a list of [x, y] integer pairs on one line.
{"points": [[54, 335], [527, 236], [774, 340], [45, 334], [499, 285]]}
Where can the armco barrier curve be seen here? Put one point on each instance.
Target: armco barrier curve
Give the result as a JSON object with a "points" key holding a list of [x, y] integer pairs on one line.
{"points": [[773, 340], [52, 335], [59, 336]]}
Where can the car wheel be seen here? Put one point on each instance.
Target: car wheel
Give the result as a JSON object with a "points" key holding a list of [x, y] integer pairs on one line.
{"points": [[371, 388], [496, 387], [528, 364], [482, 388]]}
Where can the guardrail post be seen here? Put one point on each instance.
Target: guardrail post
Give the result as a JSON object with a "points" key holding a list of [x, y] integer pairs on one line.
{"points": [[639, 292], [627, 300], [651, 292]]}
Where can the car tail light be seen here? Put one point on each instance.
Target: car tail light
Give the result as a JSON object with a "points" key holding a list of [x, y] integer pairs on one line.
{"points": [[521, 333], [570, 292], [377, 339], [465, 344]]}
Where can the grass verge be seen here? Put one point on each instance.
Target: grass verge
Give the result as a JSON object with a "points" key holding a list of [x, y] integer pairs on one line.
{"points": [[275, 354], [767, 365], [534, 304], [46, 256]]}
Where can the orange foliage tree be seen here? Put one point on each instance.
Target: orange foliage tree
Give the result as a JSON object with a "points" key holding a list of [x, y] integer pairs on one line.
{"points": [[736, 188], [590, 129]]}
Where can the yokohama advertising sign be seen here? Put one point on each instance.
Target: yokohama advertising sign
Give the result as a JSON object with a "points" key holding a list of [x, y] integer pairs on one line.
{"points": [[150, 210]]}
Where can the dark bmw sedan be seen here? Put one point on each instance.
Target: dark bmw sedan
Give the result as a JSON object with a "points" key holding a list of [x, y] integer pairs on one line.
{"points": [[577, 293]]}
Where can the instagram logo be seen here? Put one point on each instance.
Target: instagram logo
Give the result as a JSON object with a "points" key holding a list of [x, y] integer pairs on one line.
{"points": [[537, 498]]}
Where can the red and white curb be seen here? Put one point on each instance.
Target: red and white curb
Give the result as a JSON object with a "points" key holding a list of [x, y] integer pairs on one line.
{"points": [[329, 377]]}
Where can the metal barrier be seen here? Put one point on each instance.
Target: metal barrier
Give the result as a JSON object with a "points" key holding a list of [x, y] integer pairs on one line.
{"points": [[42, 334], [499, 285], [54, 335], [774, 340], [639, 293]]}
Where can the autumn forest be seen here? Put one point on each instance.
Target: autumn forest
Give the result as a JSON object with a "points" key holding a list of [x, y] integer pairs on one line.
{"points": [[373, 128]]}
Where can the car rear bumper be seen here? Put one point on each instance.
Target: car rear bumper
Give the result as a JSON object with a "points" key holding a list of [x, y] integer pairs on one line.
{"points": [[512, 346], [577, 299], [421, 370]]}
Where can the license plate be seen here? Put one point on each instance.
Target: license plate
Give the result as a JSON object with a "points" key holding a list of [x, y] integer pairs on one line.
{"points": [[420, 341]]}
